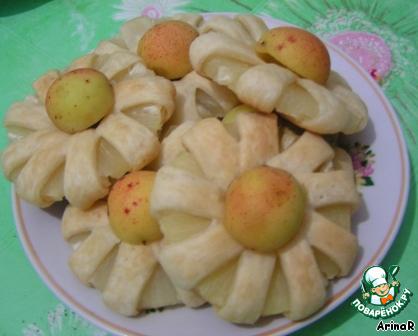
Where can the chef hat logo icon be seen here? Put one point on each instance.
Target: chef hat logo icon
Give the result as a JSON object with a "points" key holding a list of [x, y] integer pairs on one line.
{"points": [[379, 286], [382, 296]]}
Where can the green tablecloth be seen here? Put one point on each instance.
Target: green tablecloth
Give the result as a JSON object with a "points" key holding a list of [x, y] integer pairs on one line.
{"points": [[39, 35]]}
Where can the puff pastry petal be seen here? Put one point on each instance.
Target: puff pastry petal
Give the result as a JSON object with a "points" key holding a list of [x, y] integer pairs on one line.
{"points": [[245, 302], [244, 28], [197, 98], [129, 276], [39, 170], [305, 155], [25, 117], [241, 284], [211, 249], [305, 282], [326, 188], [221, 58], [230, 62], [338, 244], [47, 164]]}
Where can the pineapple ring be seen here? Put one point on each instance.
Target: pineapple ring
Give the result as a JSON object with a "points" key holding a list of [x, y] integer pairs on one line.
{"points": [[129, 276], [188, 201]]}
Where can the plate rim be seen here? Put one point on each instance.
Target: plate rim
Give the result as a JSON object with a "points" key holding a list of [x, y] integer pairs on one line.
{"points": [[291, 326]]}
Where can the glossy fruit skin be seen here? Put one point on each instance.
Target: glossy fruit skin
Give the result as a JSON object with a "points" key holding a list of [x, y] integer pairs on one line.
{"points": [[129, 210], [79, 99], [298, 50], [264, 208], [165, 48]]}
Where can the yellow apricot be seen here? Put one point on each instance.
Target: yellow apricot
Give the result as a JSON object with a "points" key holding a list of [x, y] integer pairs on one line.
{"points": [[79, 99]]}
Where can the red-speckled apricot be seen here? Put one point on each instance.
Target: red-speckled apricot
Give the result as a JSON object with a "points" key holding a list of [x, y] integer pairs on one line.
{"points": [[264, 208], [298, 50], [165, 48], [129, 213]]}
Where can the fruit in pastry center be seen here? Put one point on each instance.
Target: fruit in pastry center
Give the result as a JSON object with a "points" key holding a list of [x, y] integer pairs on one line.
{"points": [[298, 50], [79, 99], [165, 48], [129, 212], [264, 208], [231, 116]]}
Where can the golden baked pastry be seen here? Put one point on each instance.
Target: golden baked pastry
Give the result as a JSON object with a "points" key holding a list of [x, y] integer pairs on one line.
{"points": [[248, 28], [198, 97], [128, 276], [198, 252], [268, 87], [47, 164], [200, 258], [244, 27]]}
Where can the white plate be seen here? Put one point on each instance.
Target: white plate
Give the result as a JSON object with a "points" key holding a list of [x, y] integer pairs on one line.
{"points": [[376, 226]]}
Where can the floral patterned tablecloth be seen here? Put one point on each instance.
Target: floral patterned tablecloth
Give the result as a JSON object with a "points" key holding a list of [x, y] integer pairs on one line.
{"points": [[37, 35]]}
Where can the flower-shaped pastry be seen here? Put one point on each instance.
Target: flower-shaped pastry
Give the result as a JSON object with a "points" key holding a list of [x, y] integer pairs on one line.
{"points": [[225, 237], [47, 164], [117, 259], [270, 87]]}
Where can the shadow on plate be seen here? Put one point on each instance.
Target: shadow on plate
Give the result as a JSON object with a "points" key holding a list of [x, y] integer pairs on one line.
{"points": [[360, 216], [57, 209]]}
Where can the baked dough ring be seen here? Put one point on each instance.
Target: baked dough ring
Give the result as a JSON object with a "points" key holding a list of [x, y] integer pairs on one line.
{"points": [[25, 117], [128, 276], [192, 19], [245, 28], [221, 269], [197, 98], [172, 145], [269, 87]]}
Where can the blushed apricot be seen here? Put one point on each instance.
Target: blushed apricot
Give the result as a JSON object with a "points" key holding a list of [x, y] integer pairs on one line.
{"points": [[165, 48], [129, 212], [298, 50], [264, 208]]}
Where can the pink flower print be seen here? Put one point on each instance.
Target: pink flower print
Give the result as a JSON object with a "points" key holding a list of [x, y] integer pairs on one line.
{"points": [[363, 160], [369, 50], [367, 171], [152, 12]]}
